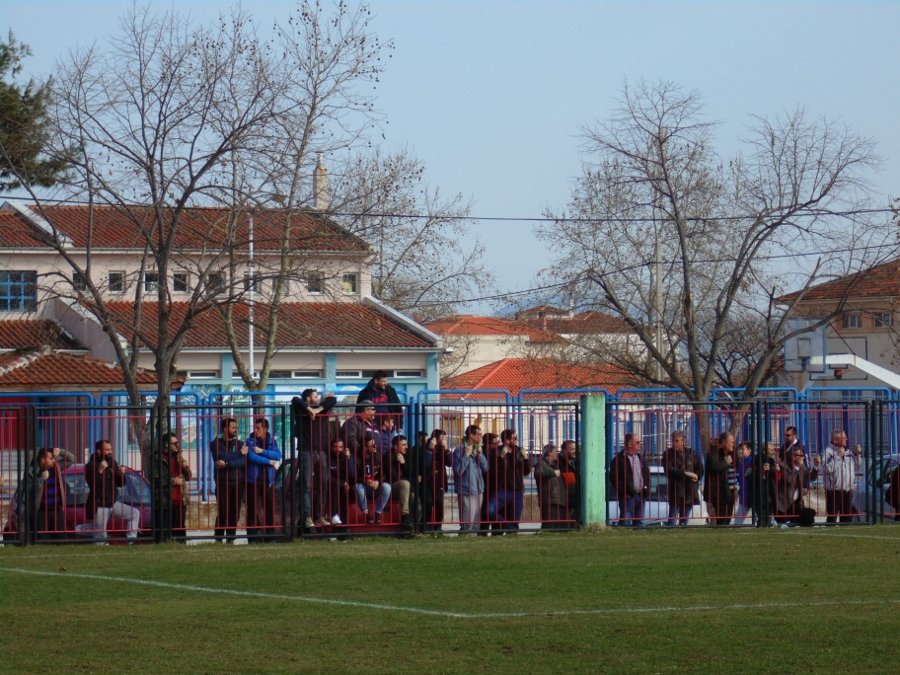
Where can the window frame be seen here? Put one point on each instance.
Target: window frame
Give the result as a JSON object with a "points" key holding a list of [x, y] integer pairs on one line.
{"points": [[118, 287], [18, 294]]}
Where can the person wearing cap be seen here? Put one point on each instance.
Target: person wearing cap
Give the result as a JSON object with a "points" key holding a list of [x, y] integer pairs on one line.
{"points": [[356, 427], [314, 429]]}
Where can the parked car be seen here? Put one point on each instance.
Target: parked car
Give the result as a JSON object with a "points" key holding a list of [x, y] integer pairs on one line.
{"points": [[875, 483], [79, 523]]}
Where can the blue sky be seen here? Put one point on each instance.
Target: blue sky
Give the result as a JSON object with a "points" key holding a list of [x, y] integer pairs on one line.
{"points": [[491, 96]]}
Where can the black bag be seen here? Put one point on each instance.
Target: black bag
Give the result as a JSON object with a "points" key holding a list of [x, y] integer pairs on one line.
{"points": [[807, 517]]}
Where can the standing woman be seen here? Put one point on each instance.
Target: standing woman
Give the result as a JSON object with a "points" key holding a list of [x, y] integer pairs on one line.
{"points": [[716, 489], [437, 458]]}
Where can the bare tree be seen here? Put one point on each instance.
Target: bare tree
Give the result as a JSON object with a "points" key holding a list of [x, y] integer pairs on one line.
{"points": [[685, 246], [424, 254], [159, 117]]}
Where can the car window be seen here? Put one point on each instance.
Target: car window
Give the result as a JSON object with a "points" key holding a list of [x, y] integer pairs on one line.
{"points": [[659, 487], [134, 491], [76, 489]]}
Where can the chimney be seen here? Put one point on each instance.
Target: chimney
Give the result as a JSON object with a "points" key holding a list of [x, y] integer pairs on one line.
{"points": [[321, 188]]}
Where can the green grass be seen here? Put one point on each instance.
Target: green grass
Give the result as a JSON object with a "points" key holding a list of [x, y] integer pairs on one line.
{"points": [[649, 601]]}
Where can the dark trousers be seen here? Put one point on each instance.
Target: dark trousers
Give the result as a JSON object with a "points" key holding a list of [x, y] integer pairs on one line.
{"points": [[51, 523], [434, 509], [839, 503], [229, 499], [260, 511]]}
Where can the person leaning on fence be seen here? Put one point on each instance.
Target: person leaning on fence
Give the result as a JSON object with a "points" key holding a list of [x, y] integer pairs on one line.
{"points": [[176, 472], [720, 487], [436, 459], [103, 475], [314, 429], [568, 466], [262, 459], [229, 457], [507, 474], [551, 490], [403, 476], [684, 471], [743, 469], [841, 478], [469, 470], [630, 478], [790, 490], [370, 483], [342, 475], [41, 496], [893, 491]]}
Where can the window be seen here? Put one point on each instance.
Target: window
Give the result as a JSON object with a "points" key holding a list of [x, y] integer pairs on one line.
{"points": [[198, 374], [307, 374], [279, 374], [18, 291], [884, 319], [255, 282], [349, 283], [852, 321], [181, 282], [151, 281], [78, 281], [117, 282], [215, 283], [315, 282], [408, 373], [348, 373]]}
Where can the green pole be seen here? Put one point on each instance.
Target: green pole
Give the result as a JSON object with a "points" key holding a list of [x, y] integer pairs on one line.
{"points": [[593, 459]]}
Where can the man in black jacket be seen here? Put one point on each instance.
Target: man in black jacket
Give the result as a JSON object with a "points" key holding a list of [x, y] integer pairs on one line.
{"points": [[229, 456], [385, 398], [103, 474], [630, 477], [314, 429]]}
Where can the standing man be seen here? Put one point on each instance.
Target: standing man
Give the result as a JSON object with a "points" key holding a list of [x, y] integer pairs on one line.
{"points": [[631, 480], [684, 469], [314, 428], [263, 456], [568, 467], [384, 397], [469, 471], [791, 487], [508, 467], [841, 478], [103, 474], [229, 457], [176, 472]]}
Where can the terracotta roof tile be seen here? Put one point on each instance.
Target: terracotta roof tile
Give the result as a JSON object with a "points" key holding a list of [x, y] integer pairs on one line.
{"points": [[111, 227], [466, 324], [49, 369], [300, 324], [515, 375], [34, 334], [585, 323], [879, 281]]}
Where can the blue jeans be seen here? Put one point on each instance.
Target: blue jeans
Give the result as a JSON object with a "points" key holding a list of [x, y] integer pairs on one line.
{"points": [[679, 512], [363, 491], [631, 510], [500, 500]]}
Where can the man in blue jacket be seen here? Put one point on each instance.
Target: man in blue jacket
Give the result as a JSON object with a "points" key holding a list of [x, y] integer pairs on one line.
{"points": [[262, 458]]}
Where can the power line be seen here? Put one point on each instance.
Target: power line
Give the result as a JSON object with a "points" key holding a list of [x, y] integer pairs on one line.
{"points": [[500, 219]]}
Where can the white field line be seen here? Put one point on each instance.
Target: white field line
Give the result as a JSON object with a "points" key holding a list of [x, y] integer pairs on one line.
{"points": [[447, 613]]}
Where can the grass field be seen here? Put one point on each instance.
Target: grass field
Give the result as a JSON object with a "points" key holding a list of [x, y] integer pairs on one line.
{"points": [[646, 601]]}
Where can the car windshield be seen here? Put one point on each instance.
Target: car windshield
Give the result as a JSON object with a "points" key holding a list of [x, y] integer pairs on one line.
{"points": [[135, 491]]}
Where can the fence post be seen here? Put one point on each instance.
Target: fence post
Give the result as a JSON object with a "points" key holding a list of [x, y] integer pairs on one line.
{"points": [[593, 460]]}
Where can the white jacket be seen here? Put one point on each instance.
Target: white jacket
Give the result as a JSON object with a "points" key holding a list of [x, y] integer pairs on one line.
{"points": [[841, 472]]}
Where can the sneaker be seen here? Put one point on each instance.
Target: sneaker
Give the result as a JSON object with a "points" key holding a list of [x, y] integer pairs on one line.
{"points": [[308, 523], [378, 519], [322, 522], [336, 520]]}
